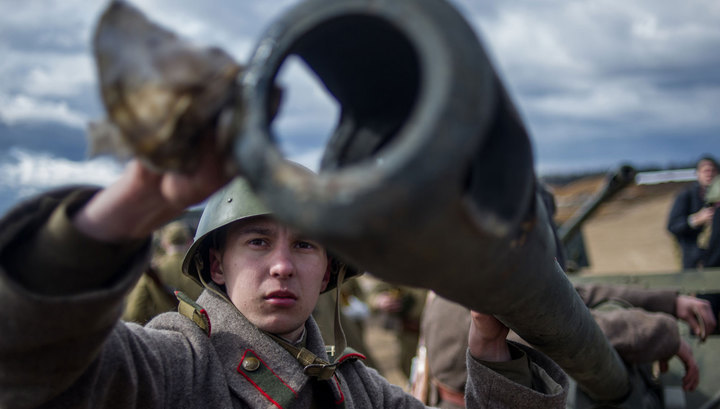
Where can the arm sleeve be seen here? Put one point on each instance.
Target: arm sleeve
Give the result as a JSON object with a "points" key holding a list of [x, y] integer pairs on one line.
{"points": [[62, 295], [651, 300], [53, 258], [639, 336], [517, 369], [678, 218], [528, 376], [487, 388]]}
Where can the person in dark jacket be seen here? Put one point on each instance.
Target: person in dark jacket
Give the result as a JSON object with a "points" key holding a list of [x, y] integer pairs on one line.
{"points": [[690, 217]]}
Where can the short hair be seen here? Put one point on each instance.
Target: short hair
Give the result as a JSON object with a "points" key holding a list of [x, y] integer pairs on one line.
{"points": [[707, 158]]}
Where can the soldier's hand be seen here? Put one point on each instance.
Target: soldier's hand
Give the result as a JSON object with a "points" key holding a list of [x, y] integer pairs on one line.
{"points": [[701, 217], [692, 372], [697, 313], [143, 200], [387, 302], [487, 338]]}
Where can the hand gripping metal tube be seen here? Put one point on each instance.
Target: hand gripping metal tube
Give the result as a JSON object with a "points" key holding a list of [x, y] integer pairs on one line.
{"points": [[428, 178]]}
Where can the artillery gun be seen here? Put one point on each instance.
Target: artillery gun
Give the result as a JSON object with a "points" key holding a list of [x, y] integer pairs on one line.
{"points": [[428, 179], [615, 181], [703, 284], [429, 159], [569, 232], [407, 180]]}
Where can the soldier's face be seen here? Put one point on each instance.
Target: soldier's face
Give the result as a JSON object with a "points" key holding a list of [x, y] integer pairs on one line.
{"points": [[706, 171], [273, 275]]}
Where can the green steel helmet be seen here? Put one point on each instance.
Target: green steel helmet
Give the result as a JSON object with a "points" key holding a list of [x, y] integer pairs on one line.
{"points": [[234, 202]]}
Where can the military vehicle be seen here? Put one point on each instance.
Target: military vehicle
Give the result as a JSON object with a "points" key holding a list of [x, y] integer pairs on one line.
{"points": [[615, 181], [428, 179], [704, 284]]}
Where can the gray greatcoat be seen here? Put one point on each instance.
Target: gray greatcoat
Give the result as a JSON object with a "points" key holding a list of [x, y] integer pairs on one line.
{"points": [[62, 344]]}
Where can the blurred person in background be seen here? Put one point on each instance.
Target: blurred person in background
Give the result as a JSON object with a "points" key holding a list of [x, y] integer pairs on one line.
{"points": [[353, 316], [640, 324], [155, 291], [396, 310], [691, 218]]}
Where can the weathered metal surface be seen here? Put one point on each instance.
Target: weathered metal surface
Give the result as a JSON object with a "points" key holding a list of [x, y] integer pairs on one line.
{"points": [[686, 282], [428, 179], [162, 94]]}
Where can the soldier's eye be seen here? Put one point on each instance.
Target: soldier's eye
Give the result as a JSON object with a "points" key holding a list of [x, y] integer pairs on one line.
{"points": [[257, 242], [305, 245]]}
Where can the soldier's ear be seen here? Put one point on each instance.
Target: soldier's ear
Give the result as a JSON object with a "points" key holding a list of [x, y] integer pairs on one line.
{"points": [[326, 277], [216, 270]]}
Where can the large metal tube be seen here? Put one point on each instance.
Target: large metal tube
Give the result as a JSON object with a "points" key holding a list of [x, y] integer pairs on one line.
{"points": [[428, 179]]}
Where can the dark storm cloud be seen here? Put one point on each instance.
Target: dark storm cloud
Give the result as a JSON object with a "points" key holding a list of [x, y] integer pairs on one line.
{"points": [[49, 138], [597, 83], [603, 83]]}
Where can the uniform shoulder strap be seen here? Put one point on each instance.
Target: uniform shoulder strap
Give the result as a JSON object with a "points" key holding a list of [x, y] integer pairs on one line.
{"points": [[197, 314], [350, 354]]}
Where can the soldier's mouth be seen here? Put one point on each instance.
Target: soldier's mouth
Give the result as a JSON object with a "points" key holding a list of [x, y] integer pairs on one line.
{"points": [[281, 298]]}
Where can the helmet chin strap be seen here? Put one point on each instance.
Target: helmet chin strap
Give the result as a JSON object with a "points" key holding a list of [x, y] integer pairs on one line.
{"points": [[313, 365], [340, 342], [210, 286], [318, 368]]}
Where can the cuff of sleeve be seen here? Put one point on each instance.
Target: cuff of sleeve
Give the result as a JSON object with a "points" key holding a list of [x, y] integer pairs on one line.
{"points": [[660, 300], [517, 369]]}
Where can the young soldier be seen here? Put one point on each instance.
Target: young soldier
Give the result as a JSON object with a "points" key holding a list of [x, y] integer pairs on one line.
{"points": [[69, 257], [155, 291]]}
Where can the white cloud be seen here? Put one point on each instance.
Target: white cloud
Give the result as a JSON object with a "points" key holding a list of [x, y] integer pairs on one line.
{"points": [[58, 75], [24, 109], [71, 16], [307, 109], [270, 9], [227, 24], [595, 71], [309, 159], [45, 87], [623, 100], [31, 172], [558, 44], [573, 67]]}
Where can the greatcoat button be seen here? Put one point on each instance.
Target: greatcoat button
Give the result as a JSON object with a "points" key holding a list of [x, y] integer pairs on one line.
{"points": [[251, 364]]}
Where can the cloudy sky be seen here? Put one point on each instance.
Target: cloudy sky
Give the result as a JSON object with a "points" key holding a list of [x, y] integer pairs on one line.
{"points": [[598, 83]]}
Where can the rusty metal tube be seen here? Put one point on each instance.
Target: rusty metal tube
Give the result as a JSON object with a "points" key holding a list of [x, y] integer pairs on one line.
{"points": [[428, 179]]}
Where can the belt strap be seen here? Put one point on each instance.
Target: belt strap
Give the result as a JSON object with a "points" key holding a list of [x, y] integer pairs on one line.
{"points": [[449, 394], [314, 366]]}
